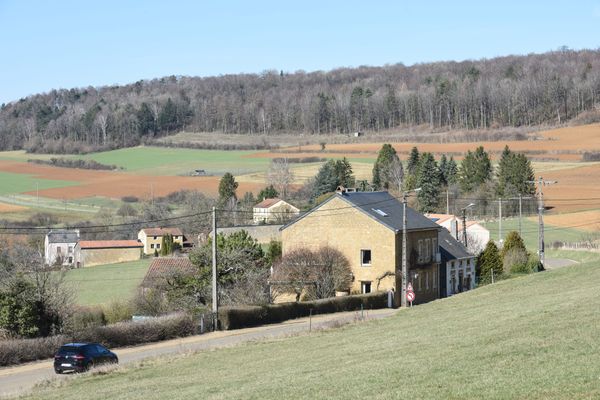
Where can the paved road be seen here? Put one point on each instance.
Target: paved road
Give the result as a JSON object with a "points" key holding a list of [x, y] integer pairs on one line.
{"points": [[554, 263], [15, 380]]}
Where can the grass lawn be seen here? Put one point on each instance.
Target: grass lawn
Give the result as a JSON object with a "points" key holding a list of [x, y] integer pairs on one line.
{"points": [[534, 337], [106, 283], [11, 183]]}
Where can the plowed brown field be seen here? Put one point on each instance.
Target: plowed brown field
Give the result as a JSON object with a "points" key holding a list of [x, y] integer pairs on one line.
{"points": [[9, 208], [116, 184]]}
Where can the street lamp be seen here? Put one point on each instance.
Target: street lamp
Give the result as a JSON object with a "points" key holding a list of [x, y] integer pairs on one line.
{"points": [[404, 262], [464, 221]]}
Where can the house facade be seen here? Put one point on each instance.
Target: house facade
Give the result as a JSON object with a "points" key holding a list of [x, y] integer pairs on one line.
{"points": [[367, 228], [151, 238], [59, 247], [89, 253], [477, 234], [457, 270], [273, 211]]}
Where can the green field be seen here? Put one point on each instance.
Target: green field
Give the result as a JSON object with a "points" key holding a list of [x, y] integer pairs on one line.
{"points": [[534, 337], [173, 161], [11, 183], [103, 284]]}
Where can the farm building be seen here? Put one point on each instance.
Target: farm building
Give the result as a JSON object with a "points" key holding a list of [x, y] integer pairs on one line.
{"points": [[477, 234], [59, 246], [273, 211], [162, 269], [367, 228], [151, 238], [457, 270], [97, 252]]}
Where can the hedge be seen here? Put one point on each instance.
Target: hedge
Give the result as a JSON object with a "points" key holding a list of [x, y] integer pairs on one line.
{"points": [[121, 334], [249, 316]]}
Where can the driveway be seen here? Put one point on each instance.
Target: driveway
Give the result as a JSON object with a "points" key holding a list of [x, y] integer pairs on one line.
{"points": [[21, 378]]}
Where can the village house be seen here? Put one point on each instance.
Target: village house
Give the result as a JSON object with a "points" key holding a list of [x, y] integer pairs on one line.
{"points": [[477, 234], [367, 228], [273, 211], [89, 253], [164, 269], [457, 270], [59, 246], [151, 238]]}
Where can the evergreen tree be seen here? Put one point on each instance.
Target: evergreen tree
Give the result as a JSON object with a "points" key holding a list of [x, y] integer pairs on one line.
{"points": [[443, 170], [451, 172], [513, 242], [331, 175], [166, 246], [227, 188], [343, 172], [167, 118], [387, 159], [146, 123], [268, 192], [489, 260], [515, 174], [428, 179], [475, 169], [413, 161]]}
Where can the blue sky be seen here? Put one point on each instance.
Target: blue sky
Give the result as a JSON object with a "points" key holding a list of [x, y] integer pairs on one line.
{"points": [[65, 44]]}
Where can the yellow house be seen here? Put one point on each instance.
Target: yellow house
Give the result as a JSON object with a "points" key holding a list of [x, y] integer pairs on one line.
{"points": [[151, 238], [367, 228]]}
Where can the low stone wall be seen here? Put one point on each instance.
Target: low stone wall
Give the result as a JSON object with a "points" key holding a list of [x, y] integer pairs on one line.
{"points": [[92, 257]]}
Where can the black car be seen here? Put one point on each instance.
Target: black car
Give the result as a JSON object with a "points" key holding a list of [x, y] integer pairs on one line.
{"points": [[80, 357]]}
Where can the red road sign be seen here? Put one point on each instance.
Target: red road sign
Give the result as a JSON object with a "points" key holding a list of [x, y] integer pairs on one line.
{"points": [[410, 295], [409, 287]]}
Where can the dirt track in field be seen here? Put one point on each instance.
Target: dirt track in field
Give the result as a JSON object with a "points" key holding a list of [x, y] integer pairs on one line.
{"points": [[116, 184]]}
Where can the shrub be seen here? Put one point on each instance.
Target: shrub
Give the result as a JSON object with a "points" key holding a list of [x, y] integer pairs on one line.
{"points": [[248, 316], [118, 311], [74, 163], [515, 261], [85, 318], [17, 351], [130, 199]]}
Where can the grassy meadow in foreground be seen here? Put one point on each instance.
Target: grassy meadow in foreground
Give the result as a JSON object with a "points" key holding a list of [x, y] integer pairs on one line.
{"points": [[103, 284], [533, 337]]}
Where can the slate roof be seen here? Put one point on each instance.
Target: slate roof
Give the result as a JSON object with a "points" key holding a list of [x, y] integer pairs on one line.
{"points": [[109, 244], [63, 236], [450, 248], [382, 207], [162, 231], [162, 268], [266, 203]]}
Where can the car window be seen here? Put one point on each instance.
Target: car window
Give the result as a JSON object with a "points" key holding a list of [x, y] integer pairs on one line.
{"points": [[69, 350], [101, 349]]}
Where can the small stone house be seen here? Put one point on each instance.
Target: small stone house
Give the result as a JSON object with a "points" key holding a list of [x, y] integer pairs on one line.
{"points": [[59, 246], [97, 252], [457, 270], [367, 228], [151, 238], [164, 269], [273, 211]]}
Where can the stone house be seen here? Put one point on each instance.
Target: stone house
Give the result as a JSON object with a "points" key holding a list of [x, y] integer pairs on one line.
{"points": [[367, 228], [273, 211], [59, 246], [457, 270], [89, 253], [151, 238], [477, 234]]}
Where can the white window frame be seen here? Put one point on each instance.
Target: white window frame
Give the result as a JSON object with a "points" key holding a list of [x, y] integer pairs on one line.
{"points": [[362, 258], [363, 286]]}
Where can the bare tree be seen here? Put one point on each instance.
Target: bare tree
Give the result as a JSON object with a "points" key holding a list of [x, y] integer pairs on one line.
{"points": [[394, 173], [280, 176]]}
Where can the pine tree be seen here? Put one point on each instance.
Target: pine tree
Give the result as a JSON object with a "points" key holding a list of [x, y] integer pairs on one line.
{"points": [[428, 179], [489, 260], [145, 118], [515, 174], [227, 188], [268, 193], [343, 172], [167, 118], [413, 161], [513, 241], [331, 175], [475, 169], [451, 173], [443, 170]]}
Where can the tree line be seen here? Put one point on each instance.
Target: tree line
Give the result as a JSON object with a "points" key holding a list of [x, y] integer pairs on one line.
{"points": [[511, 91]]}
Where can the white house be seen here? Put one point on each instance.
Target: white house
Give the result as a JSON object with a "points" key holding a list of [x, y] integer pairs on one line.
{"points": [[457, 269], [59, 246], [477, 234], [273, 210]]}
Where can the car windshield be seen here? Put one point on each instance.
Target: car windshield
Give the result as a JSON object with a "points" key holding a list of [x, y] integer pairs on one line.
{"points": [[70, 350]]}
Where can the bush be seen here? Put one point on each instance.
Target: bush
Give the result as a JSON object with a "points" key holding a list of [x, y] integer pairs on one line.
{"points": [[24, 350], [248, 316], [74, 163], [515, 261], [130, 199], [85, 318], [118, 311]]}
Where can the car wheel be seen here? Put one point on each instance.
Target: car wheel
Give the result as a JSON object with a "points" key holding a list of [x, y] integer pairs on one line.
{"points": [[90, 365], [58, 371]]}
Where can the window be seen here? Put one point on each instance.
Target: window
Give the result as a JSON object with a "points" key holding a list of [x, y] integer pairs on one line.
{"points": [[70, 249], [434, 249], [427, 280], [434, 280], [420, 251], [427, 250], [365, 257], [158, 245], [365, 287], [70, 260], [59, 250], [152, 245], [154, 237]]}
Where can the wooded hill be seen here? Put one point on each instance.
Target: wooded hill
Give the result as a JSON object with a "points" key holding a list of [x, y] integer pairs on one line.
{"points": [[510, 91]]}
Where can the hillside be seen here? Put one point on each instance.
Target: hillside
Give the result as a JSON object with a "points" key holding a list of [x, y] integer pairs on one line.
{"points": [[534, 337], [511, 91]]}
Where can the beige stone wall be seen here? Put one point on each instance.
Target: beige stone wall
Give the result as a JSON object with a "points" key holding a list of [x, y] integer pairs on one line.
{"points": [[92, 257], [350, 231], [262, 233], [150, 244]]}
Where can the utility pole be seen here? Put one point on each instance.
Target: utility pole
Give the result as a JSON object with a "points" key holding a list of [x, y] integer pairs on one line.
{"points": [[500, 220], [464, 223], [215, 299], [403, 302], [447, 202], [520, 198], [541, 247]]}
